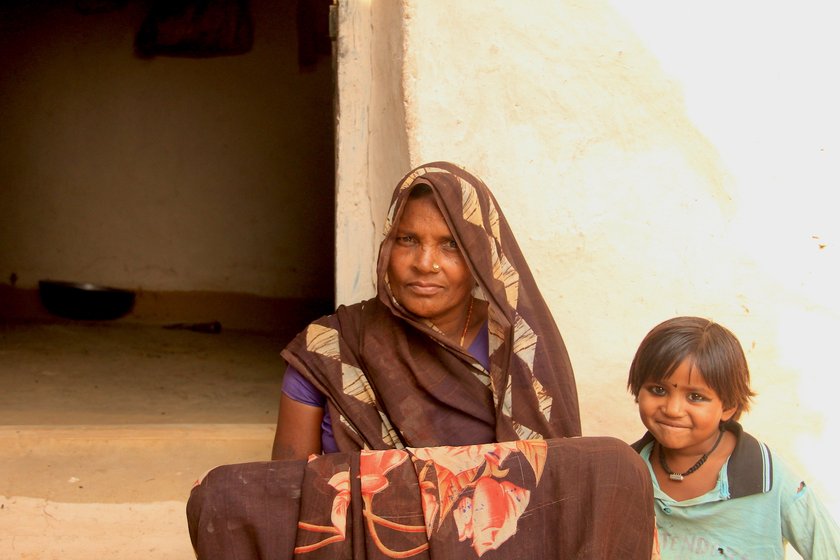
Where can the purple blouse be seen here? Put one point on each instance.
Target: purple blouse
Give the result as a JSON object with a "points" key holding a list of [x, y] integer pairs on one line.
{"points": [[297, 388]]}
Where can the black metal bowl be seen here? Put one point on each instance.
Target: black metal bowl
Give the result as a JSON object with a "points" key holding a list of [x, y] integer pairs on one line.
{"points": [[79, 300]]}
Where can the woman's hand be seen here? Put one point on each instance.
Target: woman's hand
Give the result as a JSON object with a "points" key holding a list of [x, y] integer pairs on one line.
{"points": [[298, 433]]}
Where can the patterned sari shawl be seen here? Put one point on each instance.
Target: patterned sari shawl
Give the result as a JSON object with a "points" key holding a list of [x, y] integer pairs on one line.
{"points": [[393, 380], [587, 498]]}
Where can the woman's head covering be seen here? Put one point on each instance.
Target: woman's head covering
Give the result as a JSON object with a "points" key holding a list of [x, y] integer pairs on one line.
{"points": [[393, 380], [530, 367]]}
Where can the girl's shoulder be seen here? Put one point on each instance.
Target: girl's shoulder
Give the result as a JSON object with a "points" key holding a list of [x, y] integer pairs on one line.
{"points": [[750, 466]]}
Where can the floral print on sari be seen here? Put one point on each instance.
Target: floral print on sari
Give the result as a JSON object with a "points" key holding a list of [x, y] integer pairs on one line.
{"points": [[466, 485], [588, 497]]}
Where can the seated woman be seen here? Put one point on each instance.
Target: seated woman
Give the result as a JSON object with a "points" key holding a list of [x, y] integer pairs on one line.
{"points": [[457, 348], [436, 398]]}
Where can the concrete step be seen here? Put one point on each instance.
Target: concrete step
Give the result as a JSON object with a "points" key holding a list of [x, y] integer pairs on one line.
{"points": [[37, 529], [121, 463], [110, 491]]}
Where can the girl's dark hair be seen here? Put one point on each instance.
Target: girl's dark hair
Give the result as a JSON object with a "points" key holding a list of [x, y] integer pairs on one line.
{"points": [[713, 350]]}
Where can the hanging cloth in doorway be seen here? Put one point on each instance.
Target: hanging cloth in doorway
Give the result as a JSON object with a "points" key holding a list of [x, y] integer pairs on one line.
{"points": [[196, 28]]}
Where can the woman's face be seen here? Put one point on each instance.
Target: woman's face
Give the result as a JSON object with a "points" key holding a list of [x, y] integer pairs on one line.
{"points": [[427, 273]]}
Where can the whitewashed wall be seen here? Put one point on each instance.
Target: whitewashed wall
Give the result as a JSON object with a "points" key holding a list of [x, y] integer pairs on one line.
{"points": [[655, 159], [371, 146]]}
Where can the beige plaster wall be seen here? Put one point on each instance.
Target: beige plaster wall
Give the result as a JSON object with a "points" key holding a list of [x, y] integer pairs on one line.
{"points": [[371, 142], [167, 174], [655, 161]]}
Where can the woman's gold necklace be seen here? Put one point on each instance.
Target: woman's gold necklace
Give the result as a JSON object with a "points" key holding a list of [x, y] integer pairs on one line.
{"points": [[467, 323]]}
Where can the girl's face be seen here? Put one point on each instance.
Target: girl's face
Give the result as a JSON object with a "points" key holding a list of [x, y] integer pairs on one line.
{"points": [[682, 412], [426, 271]]}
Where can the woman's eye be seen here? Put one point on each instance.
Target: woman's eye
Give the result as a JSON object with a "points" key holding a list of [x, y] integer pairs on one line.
{"points": [[451, 245], [405, 239]]}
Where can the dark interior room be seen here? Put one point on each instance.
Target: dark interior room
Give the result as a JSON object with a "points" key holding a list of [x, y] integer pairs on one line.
{"points": [[167, 191]]}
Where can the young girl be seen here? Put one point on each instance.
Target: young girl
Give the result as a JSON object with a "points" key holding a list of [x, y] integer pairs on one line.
{"points": [[718, 492]]}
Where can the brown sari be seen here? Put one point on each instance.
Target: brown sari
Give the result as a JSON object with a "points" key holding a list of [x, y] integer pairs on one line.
{"points": [[582, 498], [419, 421], [392, 380]]}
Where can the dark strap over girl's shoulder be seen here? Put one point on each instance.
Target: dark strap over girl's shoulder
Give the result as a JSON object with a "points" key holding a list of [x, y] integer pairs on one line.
{"points": [[750, 466]]}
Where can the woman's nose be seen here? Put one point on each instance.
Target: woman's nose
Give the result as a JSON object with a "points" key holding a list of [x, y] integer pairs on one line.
{"points": [[427, 259]]}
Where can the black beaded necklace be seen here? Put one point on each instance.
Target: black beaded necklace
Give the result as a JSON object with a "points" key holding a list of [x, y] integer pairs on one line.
{"points": [[679, 476]]}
